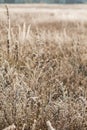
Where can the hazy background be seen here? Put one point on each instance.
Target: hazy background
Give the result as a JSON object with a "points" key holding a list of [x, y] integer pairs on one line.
{"points": [[43, 1]]}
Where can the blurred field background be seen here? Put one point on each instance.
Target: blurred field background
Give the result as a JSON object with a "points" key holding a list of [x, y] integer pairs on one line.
{"points": [[43, 67]]}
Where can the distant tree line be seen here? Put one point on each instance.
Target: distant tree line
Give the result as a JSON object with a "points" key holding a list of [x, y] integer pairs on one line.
{"points": [[43, 1]]}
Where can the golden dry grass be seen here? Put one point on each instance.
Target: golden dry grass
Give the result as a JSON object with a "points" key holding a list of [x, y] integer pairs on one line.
{"points": [[43, 67]]}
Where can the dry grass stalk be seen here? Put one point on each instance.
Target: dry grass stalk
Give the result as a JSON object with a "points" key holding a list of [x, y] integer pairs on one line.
{"points": [[23, 32], [8, 31], [49, 125], [34, 125], [11, 127], [24, 125], [16, 56]]}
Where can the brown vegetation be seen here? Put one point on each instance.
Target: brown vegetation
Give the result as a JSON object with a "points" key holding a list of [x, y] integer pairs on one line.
{"points": [[43, 70]]}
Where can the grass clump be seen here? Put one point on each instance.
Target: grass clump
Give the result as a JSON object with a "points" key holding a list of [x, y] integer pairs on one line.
{"points": [[43, 81]]}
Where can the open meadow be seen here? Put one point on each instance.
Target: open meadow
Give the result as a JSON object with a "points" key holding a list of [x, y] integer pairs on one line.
{"points": [[43, 67]]}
